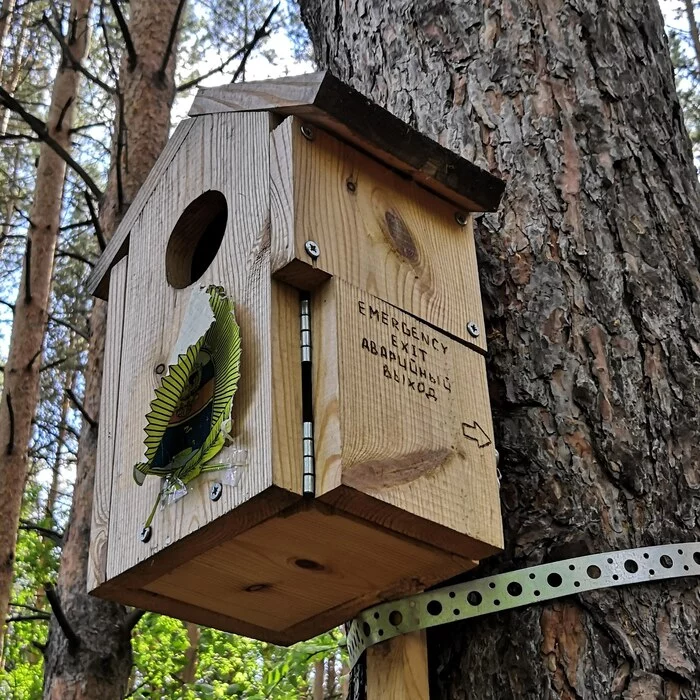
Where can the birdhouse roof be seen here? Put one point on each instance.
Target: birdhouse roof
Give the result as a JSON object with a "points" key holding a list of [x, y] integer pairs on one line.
{"points": [[323, 100]]}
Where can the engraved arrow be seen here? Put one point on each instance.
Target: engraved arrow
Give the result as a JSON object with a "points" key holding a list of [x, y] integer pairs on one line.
{"points": [[473, 431]]}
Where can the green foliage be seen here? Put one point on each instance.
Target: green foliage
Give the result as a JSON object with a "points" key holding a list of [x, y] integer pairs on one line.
{"points": [[226, 665]]}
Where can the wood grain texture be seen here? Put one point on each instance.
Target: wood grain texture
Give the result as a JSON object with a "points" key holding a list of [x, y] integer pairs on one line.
{"points": [[403, 420], [109, 412], [302, 574], [377, 231], [229, 153], [322, 99], [118, 246], [398, 669]]}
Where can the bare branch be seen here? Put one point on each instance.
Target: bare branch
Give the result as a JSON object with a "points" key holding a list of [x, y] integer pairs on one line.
{"points": [[68, 57], [55, 537], [60, 252], [69, 326], [171, 40], [29, 618], [55, 603], [260, 33], [132, 619], [124, 28], [78, 404], [28, 272], [95, 222], [41, 130]]}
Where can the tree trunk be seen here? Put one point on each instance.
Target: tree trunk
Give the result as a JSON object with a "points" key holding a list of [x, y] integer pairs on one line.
{"points": [[100, 666], [21, 389], [6, 12], [591, 288]]}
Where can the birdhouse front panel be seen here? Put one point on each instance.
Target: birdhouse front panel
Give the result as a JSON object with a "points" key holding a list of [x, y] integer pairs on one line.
{"points": [[225, 154], [295, 421]]}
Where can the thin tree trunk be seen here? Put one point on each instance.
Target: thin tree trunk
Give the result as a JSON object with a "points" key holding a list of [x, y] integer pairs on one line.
{"points": [[21, 388], [100, 666], [6, 12], [319, 673], [592, 299], [330, 677], [60, 443], [189, 672], [11, 81], [694, 34]]}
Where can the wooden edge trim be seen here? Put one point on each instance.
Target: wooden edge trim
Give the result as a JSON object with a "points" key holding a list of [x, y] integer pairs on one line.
{"points": [[322, 99], [359, 504], [118, 246]]}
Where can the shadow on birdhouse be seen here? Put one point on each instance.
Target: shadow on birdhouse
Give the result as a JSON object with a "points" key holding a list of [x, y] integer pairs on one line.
{"points": [[294, 367]]}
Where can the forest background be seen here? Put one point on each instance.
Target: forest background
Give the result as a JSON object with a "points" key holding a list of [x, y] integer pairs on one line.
{"points": [[207, 42]]}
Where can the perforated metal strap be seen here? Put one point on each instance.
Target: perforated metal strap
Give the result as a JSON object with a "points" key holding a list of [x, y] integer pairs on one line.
{"points": [[518, 588]]}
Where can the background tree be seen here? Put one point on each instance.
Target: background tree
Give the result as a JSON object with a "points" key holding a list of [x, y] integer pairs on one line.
{"points": [[591, 288], [21, 376]]}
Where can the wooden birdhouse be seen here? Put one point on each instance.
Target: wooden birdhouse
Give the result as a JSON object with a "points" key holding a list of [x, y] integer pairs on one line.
{"points": [[295, 366]]}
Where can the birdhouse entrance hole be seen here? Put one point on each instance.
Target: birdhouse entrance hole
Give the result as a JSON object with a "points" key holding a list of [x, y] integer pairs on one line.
{"points": [[196, 239]]}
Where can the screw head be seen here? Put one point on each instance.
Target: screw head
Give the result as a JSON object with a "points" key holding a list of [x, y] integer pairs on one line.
{"points": [[215, 491], [473, 329], [307, 132], [160, 368], [145, 534], [312, 249], [461, 218]]}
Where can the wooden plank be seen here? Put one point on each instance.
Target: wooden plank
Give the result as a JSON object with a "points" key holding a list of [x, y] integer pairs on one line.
{"points": [[228, 153], [380, 233], [286, 427], [109, 410], [118, 246], [398, 669], [308, 571], [322, 99], [403, 424]]}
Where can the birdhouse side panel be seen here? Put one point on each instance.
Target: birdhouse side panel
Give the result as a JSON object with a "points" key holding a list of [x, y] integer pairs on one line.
{"points": [[412, 410], [227, 154], [376, 230], [106, 438]]}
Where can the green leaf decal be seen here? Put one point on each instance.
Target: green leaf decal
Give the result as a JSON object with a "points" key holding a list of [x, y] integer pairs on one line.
{"points": [[190, 415]]}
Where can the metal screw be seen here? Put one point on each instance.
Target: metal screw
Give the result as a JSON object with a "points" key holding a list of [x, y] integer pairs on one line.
{"points": [[461, 218], [351, 185], [307, 132], [160, 368], [215, 491], [145, 534], [473, 329], [312, 249]]}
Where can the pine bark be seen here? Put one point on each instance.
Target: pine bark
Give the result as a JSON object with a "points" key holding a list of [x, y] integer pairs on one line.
{"points": [[99, 667], [591, 288], [21, 388]]}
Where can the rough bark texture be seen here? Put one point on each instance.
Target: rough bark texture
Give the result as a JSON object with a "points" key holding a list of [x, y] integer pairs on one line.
{"points": [[21, 388], [100, 666], [592, 297]]}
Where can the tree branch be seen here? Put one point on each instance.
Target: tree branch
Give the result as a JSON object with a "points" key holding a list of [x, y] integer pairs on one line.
{"points": [[133, 618], [55, 603], [69, 326], [260, 33], [124, 28], [96, 221], [75, 256], [171, 40], [68, 56], [78, 404], [29, 618], [55, 537], [41, 130]]}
